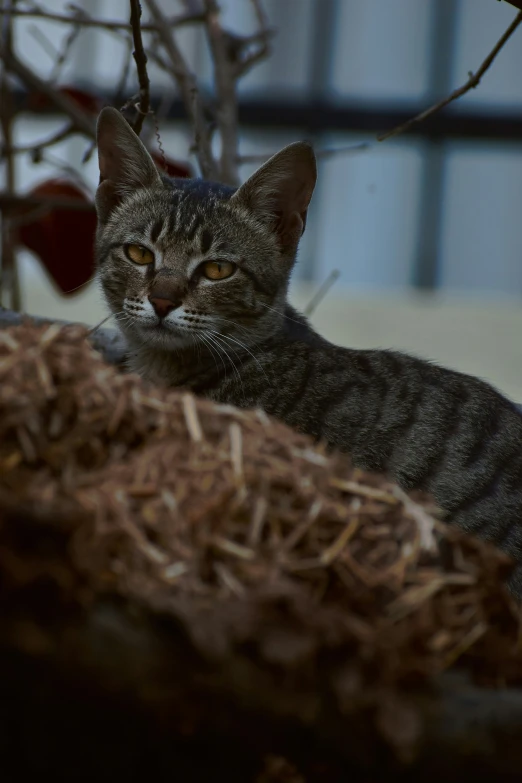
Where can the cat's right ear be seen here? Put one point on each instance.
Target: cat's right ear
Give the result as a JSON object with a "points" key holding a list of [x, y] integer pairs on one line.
{"points": [[125, 164], [279, 193]]}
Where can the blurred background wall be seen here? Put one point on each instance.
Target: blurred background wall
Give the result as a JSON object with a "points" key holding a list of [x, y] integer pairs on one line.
{"points": [[425, 228]]}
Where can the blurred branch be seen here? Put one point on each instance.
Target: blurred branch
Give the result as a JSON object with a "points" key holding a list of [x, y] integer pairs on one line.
{"points": [[320, 294], [225, 81], [140, 58], [187, 84], [81, 16], [9, 280], [473, 81], [124, 75], [232, 58], [262, 37], [323, 154], [82, 121], [62, 56], [36, 147]]}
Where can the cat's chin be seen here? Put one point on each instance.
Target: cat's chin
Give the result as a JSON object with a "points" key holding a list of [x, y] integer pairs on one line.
{"points": [[158, 337]]}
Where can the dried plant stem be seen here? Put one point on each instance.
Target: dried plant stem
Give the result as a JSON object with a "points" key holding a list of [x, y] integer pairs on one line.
{"points": [[189, 90], [226, 89], [141, 65], [82, 121], [107, 24], [473, 81], [9, 281], [321, 292]]}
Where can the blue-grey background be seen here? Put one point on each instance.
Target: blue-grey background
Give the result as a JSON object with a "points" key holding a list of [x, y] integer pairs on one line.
{"points": [[426, 231]]}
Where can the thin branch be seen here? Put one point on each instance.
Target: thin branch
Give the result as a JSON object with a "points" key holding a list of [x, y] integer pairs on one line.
{"points": [[82, 121], [39, 36], [324, 154], [473, 81], [35, 146], [9, 279], [141, 65], [124, 76], [69, 42], [321, 292], [89, 21], [189, 90], [262, 37], [226, 89]]}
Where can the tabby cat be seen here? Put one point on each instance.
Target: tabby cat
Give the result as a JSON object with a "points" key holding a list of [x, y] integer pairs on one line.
{"points": [[197, 274]]}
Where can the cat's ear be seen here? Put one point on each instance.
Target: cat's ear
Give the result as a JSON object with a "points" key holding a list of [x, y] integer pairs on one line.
{"points": [[125, 164], [280, 191]]}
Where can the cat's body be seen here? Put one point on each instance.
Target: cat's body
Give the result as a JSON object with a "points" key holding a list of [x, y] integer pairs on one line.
{"points": [[207, 310]]}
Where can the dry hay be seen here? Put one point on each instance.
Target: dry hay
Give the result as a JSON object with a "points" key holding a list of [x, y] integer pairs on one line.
{"points": [[187, 507]]}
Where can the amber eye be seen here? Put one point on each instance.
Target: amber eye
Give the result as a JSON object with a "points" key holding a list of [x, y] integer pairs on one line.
{"points": [[218, 270], [139, 254]]}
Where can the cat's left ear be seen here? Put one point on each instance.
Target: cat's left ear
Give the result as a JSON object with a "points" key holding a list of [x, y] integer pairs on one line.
{"points": [[280, 191], [125, 164]]}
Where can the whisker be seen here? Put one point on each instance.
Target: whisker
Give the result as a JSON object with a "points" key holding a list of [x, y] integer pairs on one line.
{"points": [[234, 323], [211, 336], [213, 350], [227, 337]]}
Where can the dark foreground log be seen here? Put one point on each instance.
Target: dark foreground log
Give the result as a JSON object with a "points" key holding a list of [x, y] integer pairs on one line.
{"points": [[114, 691]]}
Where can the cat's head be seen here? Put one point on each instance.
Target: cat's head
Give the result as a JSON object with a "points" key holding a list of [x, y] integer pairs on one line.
{"points": [[180, 259]]}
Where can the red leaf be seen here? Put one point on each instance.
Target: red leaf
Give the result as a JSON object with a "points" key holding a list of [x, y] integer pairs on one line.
{"points": [[63, 239]]}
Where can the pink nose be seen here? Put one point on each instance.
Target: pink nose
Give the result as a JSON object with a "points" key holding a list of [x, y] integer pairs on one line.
{"points": [[161, 306]]}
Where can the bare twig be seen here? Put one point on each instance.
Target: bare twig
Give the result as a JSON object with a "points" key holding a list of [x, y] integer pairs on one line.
{"points": [[124, 76], [473, 81], [89, 21], [325, 154], [63, 54], [189, 90], [36, 147], [225, 82], [82, 121], [48, 47], [262, 37], [9, 281], [321, 292], [141, 65]]}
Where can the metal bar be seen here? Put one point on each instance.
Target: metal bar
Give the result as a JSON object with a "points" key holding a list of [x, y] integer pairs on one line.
{"points": [[425, 274], [323, 115], [325, 16]]}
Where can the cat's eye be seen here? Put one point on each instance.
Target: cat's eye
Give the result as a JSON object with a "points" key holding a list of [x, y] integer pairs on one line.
{"points": [[218, 270], [139, 254]]}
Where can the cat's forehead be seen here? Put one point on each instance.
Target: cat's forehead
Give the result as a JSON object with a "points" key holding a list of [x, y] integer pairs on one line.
{"points": [[187, 209]]}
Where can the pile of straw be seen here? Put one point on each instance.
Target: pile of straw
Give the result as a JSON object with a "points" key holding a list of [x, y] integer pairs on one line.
{"points": [[202, 510]]}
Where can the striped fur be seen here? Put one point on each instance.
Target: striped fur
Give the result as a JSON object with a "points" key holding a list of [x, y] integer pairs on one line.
{"points": [[238, 341]]}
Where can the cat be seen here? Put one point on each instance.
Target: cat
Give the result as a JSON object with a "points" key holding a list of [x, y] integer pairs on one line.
{"points": [[197, 274]]}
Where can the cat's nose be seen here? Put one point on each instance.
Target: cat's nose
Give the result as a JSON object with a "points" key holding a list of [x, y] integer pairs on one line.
{"points": [[162, 306]]}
